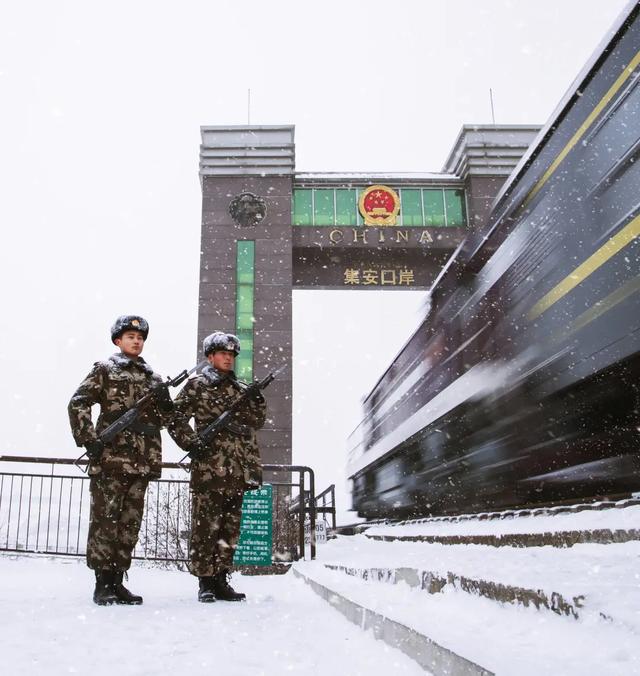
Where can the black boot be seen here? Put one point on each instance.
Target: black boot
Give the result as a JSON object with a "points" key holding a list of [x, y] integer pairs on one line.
{"points": [[205, 590], [104, 594], [223, 590], [123, 595]]}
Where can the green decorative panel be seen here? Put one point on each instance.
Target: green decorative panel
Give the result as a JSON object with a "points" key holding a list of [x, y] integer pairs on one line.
{"points": [[419, 207], [245, 277], [346, 207], [359, 219], [323, 207], [411, 207], [303, 207], [433, 207], [454, 202]]}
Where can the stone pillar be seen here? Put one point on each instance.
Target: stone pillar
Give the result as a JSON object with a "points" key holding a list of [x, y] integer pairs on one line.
{"points": [[484, 156], [258, 160]]}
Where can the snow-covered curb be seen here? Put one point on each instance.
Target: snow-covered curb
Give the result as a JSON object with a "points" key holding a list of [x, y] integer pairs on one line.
{"points": [[417, 646], [434, 583], [503, 638], [607, 576]]}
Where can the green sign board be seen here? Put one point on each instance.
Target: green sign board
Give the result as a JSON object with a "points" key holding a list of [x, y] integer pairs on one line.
{"points": [[256, 532]]}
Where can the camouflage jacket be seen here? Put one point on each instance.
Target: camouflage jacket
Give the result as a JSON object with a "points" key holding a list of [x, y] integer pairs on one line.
{"points": [[116, 384], [233, 456]]}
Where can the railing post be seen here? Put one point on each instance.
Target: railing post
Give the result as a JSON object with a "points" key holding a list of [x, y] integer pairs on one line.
{"points": [[312, 512], [333, 506], [301, 512]]}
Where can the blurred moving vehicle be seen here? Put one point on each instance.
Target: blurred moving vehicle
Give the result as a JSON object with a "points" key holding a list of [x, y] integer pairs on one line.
{"points": [[521, 385]]}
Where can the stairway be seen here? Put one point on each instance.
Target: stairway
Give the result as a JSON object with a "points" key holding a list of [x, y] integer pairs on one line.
{"points": [[510, 593]]}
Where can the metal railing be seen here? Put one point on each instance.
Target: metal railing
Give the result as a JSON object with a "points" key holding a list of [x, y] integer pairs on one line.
{"points": [[325, 503], [49, 513]]}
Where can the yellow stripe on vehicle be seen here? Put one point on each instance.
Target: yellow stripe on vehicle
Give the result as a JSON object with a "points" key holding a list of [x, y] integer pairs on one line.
{"points": [[605, 304], [604, 101], [601, 256]]}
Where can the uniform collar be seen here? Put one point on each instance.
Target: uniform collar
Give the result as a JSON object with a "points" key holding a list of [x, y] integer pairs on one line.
{"points": [[214, 376], [122, 361]]}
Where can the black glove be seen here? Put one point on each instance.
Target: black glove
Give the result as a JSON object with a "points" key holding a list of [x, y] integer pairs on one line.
{"points": [[254, 480], [163, 398], [94, 449], [254, 392], [196, 450]]}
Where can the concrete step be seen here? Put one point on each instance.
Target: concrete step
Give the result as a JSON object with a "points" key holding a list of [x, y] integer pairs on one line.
{"points": [[595, 583], [601, 523], [525, 611], [427, 653], [558, 510], [435, 583], [550, 538]]}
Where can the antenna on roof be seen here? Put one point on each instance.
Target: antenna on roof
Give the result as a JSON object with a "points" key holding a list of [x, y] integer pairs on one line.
{"points": [[493, 114], [248, 106]]}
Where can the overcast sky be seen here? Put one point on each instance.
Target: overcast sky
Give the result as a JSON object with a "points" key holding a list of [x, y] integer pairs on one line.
{"points": [[100, 110]]}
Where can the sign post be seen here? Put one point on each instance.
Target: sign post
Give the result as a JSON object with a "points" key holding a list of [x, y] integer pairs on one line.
{"points": [[256, 528]]}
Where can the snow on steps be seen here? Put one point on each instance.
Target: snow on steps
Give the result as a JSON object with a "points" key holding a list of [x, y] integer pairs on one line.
{"points": [[434, 583], [471, 601], [426, 652], [566, 526], [510, 609], [558, 539], [578, 560]]}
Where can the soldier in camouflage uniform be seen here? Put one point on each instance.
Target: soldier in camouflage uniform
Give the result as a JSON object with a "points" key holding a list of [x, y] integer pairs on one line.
{"points": [[120, 471], [223, 469]]}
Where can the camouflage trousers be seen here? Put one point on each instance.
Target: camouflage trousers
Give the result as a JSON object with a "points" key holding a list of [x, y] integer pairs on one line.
{"points": [[215, 529], [117, 505]]}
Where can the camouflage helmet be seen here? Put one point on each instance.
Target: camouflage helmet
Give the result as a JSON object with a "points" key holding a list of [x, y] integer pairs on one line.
{"points": [[219, 340], [129, 323]]}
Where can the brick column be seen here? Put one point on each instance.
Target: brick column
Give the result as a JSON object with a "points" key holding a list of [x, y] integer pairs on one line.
{"points": [[258, 160]]}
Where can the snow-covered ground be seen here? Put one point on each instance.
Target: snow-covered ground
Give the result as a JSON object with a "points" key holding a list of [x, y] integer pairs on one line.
{"points": [[49, 625], [505, 638]]}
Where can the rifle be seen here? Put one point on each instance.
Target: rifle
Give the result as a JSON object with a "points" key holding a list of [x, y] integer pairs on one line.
{"points": [[217, 425], [131, 415]]}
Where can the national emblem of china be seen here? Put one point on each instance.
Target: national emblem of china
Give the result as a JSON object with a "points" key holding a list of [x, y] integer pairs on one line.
{"points": [[379, 205]]}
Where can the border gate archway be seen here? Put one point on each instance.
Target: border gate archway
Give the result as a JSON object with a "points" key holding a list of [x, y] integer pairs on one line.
{"points": [[267, 230]]}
